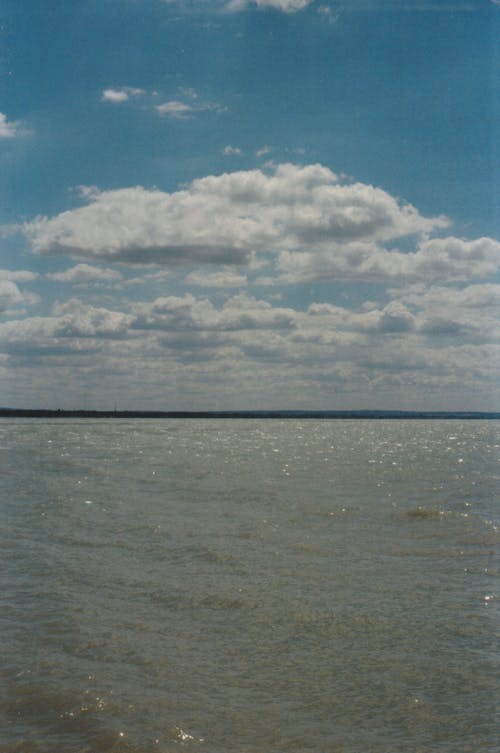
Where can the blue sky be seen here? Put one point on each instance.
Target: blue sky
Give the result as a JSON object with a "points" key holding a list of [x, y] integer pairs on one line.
{"points": [[256, 205]]}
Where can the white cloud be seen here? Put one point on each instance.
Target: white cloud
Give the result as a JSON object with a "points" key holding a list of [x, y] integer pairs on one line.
{"points": [[176, 109], [155, 278], [231, 151], [330, 14], [486, 295], [443, 259], [225, 278], [74, 318], [9, 129], [70, 320], [251, 348], [123, 94], [393, 318], [263, 151], [183, 110], [18, 275], [287, 6], [241, 312], [455, 258], [10, 295], [470, 313], [315, 223], [85, 273]]}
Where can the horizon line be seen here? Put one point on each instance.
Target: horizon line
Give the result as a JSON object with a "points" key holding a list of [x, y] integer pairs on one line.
{"points": [[246, 413]]}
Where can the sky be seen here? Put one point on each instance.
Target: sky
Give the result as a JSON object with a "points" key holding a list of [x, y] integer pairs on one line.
{"points": [[253, 204]]}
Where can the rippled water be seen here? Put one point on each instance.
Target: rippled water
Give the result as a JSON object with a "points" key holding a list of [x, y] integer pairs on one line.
{"points": [[246, 586]]}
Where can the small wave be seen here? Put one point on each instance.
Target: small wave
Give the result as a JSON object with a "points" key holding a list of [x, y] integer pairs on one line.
{"points": [[426, 513]]}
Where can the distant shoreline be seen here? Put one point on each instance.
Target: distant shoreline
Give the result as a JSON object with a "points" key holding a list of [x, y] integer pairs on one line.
{"points": [[268, 414]]}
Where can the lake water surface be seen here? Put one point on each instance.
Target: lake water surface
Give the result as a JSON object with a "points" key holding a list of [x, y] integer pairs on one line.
{"points": [[249, 586]]}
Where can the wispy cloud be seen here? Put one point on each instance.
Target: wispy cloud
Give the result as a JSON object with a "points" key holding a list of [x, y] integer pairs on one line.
{"points": [[186, 106], [232, 151], [286, 6], [183, 110], [414, 6], [176, 109], [263, 151]]}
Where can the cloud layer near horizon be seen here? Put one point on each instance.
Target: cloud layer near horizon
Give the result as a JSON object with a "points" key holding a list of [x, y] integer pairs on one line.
{"points": [[432, 339], [431, 326]]}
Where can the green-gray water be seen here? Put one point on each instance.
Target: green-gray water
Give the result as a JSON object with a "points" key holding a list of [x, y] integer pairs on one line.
{"points": [[249, 586]]}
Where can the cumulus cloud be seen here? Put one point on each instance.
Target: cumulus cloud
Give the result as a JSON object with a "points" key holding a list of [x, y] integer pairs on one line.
{"points": [[18, 275], [86, 273], [70, 320], [470, 312], [123, 94], [445, 259], [306, 215], [74, 318], [10, 295], [485, 295], [9, 129], [394, 317], [256, 347], [188, 313]]}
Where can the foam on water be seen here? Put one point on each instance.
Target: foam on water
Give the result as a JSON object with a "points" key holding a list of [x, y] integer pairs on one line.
{"points": [[249, 586]]}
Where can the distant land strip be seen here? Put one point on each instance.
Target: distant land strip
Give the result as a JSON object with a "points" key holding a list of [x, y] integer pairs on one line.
{"points": [[280, 414]]}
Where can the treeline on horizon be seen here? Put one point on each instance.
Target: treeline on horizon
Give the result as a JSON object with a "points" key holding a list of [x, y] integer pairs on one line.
{"points": [[282, 414]]}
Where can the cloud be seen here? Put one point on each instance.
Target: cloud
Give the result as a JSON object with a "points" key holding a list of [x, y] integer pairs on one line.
{"points": [[184, 110], [10, 129], [470, 312], [444, 259], [486, 295], [231, 151], [438, 6], [393, 318], [74, 318], [123, 94], [225, 278], [329, 14], [304, 215], [18, 275], [455, 258], [188, 313], [263, 151], [246, 347], [176, 109], [10, 295], [287, 6], [85, 273]]}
